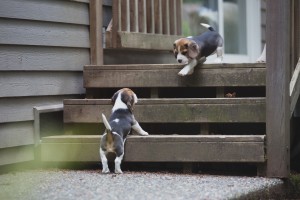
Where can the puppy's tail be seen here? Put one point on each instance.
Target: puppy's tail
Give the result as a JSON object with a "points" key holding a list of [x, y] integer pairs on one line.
{"points": [[208, 27], [110, 138], [106, 124]]}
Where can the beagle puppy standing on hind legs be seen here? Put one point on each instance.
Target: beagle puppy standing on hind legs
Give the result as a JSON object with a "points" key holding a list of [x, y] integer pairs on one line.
{"points": [[118, 127], [194, 49]]}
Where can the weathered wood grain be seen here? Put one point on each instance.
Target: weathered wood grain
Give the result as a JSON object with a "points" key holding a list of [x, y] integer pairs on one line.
{"points": [[277, 88], [159, 148], [52, 11], [113, 39], [158, 16], [179, 16], [18, 84], [133, 40], [43, 33], [142, 16], [150, 16], [172, 110], [96, 21], [137, 57], [23, 58], [167, 76]]}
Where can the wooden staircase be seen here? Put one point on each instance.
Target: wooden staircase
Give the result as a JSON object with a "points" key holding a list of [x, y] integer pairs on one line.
{"points": [[188, 118]]}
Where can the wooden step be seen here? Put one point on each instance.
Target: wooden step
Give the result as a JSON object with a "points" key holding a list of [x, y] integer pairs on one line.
{"points": [[159, 148], [166, 75], [198, 110]]}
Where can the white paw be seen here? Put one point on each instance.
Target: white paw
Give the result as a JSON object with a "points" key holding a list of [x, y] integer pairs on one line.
{"points": [[105, 170], [260, 60], [118, 171], [186, 71], [218, 60], [144, 133]]}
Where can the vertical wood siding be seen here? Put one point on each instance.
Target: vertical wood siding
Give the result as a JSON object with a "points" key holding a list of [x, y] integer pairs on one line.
{"points": [[43, 47]]}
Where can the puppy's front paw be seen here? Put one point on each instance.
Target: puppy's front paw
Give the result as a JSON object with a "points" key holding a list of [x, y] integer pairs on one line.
{"points": [[105, 171], [261, 60], [186, 71], [143, 133], [219, 60], [118, 171]]}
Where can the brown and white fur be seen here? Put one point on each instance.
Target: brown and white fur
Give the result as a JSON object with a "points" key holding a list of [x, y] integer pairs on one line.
{"points": [[194, 49], [118, 127]]}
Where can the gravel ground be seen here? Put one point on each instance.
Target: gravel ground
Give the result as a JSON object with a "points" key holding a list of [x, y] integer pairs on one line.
{"points": [[91, 184]]}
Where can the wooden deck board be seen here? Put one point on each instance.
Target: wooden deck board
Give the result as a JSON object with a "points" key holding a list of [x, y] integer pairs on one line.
{"points": [[210, 110], [166, 75], [160, 148]]}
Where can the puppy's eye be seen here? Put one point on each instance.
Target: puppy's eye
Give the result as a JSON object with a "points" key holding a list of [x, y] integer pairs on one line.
{"points": [[184, 53]]}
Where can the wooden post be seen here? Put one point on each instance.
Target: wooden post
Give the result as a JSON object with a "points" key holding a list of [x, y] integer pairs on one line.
{"points": [[277, 88], [96, 32], [116, 27], [179, 16]]}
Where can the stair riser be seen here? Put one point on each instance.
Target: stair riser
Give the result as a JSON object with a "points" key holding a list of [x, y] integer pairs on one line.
{"points": [[222, 149], [219, 77], [184, 113]]}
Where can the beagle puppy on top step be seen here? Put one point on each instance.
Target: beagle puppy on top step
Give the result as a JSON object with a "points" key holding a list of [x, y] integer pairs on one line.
{"points": [[194, 49], [118, 127]]}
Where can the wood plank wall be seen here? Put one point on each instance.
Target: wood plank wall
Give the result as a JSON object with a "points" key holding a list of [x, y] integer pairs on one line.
{"points": [[43, 47]]}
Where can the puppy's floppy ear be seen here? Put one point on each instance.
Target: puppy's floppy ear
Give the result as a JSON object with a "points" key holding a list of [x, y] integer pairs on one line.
{"points": [[193, 50], [174, 49], [114, 97], [129, 100]]}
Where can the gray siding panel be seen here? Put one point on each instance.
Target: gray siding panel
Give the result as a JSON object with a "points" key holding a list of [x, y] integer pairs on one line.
{"points": [[21, 109], [44, 45], [15, 57], [16, 154], [17, 84], [23, 32], [16, 134], [52, 11]]}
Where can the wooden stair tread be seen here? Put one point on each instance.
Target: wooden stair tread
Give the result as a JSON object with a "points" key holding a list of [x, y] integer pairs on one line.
{"points": [[159, 148], [166, 75], [174, 66], [147, 101], [158, 138], [210, 110]]}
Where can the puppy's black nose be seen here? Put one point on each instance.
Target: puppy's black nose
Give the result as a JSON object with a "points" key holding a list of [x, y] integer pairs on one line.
{"points": [[179, 60]]}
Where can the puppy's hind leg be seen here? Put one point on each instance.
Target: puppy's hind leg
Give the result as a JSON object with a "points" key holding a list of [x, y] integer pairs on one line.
{"points": [[219, 58], [105, 168], [118, 161], [219, 51]]}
